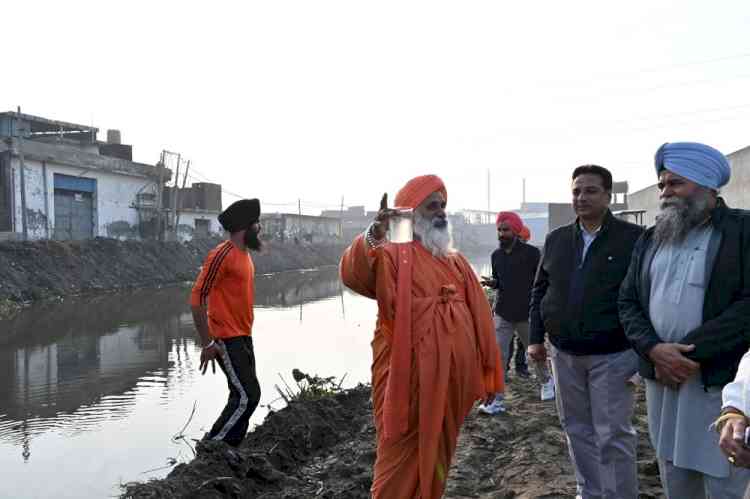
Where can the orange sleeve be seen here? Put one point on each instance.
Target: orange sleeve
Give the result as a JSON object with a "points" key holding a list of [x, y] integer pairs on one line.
{"points": [[492, 362], [357, 268], [385, 284], [211, 273]]}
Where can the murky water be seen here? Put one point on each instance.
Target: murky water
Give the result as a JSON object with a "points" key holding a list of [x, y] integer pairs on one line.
{"points": [[93, 390]]}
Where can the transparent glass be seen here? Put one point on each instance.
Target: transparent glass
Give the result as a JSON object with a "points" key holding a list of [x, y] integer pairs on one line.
{"points": [[401, 226]]}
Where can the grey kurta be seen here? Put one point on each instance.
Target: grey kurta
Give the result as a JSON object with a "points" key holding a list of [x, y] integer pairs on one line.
{"points": [[679, 420]]}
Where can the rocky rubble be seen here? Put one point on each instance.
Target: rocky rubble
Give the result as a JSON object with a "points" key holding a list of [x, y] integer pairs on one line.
{"points": [[30, 271]]}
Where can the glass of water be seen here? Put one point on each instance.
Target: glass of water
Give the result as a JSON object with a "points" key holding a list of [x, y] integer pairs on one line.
{"points": [[401, 226]]}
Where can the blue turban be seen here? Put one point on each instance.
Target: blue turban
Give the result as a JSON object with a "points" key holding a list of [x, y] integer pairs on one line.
{"points": [[696, 162]]}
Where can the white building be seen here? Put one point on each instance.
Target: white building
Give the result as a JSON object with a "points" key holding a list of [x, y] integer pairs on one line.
{"points": [[198, 208], [72, 186], [298, 228]]}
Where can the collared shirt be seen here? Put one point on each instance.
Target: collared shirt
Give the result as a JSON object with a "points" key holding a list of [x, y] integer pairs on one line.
{"points": [[588, 238], [679, 419]]}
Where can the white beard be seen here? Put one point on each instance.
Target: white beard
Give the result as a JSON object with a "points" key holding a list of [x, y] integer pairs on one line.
{"points": [[677, 217], [437, 240]]}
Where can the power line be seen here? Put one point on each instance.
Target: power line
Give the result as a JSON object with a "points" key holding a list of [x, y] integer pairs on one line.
{"points": [[635, 72], [307, 204]]}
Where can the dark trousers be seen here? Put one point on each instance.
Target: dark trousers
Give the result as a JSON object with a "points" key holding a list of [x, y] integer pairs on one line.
{"points": [[518, 354], [237, 360]]}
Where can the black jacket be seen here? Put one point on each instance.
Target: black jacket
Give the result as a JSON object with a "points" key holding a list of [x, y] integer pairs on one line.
{"points": [[724, 336], [588, 324], [514, 274]]}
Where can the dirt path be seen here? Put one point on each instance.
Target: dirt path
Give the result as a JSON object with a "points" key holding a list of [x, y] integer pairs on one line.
{"points": [[522, 454], [325, 449]]}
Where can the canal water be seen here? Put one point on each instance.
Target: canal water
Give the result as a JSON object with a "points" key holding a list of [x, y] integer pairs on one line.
{"points": [[94, 390]]}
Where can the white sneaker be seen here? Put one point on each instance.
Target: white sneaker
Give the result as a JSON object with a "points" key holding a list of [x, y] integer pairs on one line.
{"points": [[548, 390], [496, 407]]}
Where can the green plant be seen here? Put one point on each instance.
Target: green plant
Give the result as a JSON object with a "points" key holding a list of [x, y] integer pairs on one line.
{"points": [[308, 387]]}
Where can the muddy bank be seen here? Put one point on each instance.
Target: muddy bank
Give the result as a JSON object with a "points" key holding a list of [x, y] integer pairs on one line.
{"points": [[326, 449], [278, 458], [31, 271]]}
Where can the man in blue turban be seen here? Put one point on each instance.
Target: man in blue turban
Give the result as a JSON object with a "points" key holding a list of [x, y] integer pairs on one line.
{"points": [[696, 162], [685, 307]]}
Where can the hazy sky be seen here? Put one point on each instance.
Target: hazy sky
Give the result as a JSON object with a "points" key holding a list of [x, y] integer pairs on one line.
{"points": [[316, 100]]}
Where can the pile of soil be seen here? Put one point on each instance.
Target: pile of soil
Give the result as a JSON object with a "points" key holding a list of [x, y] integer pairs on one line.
{"points": [[277, 460], [326, 449], [36, 270]]}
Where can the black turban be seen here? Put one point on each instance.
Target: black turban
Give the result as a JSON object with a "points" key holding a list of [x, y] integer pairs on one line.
{"points": [[240, 215]]}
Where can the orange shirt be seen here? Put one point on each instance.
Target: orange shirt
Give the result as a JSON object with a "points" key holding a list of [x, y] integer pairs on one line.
{"points": [[226, 286]]}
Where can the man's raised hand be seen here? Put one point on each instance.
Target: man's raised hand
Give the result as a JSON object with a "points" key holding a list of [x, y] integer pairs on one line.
{"points": [[380, 225]]}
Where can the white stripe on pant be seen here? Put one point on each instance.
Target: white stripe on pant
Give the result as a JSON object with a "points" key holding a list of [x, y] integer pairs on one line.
{"points": [[242, 406], [595, 404]]}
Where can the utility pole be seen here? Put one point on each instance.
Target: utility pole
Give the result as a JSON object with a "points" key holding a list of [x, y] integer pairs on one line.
{"points": [[523, 197], [20, 131], [299, 227], [175, 193], [184, 183], [159, 196]]}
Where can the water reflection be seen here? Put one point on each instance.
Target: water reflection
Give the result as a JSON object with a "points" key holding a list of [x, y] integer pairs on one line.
{"points": [[83, 356], [75, 364], [289, 289], [92, 389]]}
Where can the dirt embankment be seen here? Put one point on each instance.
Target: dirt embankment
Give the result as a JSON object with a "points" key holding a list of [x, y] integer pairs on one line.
{"points": [[31, 271], [326, 449]]}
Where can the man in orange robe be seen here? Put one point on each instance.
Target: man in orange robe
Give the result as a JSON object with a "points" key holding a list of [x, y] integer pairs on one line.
{"points": [[434, 351]]}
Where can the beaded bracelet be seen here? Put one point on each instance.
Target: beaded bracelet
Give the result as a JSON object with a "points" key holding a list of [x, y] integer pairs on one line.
{"points": [[372, 241]]}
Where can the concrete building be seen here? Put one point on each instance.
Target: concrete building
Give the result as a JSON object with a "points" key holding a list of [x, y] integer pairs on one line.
{"points": [[71, 185], [198, 208], [292, 227], [736, 193], [354, 220]]}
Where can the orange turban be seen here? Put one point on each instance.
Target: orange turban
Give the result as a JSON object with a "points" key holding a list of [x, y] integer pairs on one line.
{"points": [[418, 189], [525, 234], [510, 218]]}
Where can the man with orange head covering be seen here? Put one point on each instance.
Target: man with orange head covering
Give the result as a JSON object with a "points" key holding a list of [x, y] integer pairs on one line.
{"points": [[434, 352], [525, 234], [514, 265]]}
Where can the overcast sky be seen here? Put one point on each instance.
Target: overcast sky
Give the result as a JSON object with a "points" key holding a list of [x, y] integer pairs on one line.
{"points": [[316, 100]]}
